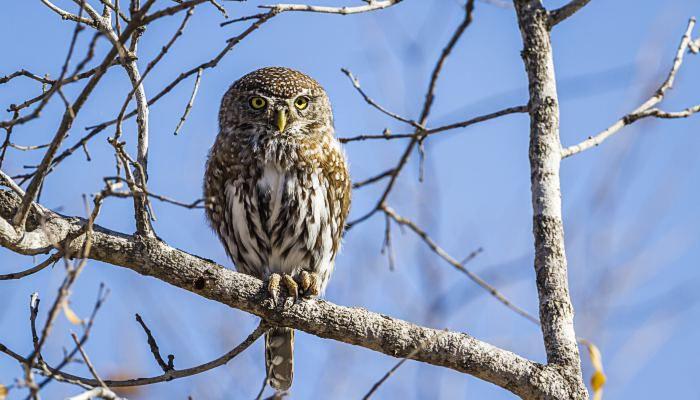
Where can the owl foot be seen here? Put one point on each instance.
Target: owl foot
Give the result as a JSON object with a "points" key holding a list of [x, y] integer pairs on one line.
{"points": [[275, 281], [309, 284], [273, 287], [292, 287]]}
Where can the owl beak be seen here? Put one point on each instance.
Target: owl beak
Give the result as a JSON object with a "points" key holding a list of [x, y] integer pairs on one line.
{"points": [[281, 119]]}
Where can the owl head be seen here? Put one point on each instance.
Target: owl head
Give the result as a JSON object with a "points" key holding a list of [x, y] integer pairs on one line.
{"points": [[276, 101]]}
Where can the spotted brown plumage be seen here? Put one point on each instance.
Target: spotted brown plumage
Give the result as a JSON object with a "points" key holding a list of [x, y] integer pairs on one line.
{"points": [[277, 191]]}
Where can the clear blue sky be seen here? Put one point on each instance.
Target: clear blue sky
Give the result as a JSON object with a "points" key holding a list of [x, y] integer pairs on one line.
{"points": [[631, 206]]}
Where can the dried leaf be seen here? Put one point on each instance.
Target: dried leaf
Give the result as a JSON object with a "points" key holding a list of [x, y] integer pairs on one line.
{"points": [[598, 378], [3, 392], [71, 315]]}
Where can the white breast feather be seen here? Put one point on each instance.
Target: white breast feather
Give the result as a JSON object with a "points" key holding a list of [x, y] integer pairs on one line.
{"points": [[276, 181]]}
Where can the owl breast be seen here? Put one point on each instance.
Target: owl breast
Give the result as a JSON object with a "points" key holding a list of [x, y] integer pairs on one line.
{"points": [[282, 223]]}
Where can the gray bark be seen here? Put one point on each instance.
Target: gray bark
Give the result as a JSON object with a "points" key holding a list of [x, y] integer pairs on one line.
{"points": [[556, 310], [391, 336]]}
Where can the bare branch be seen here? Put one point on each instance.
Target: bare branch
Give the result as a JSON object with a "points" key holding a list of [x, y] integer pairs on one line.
{"points": [[356, 84], [166, 377], [456, 264], [230, 44], [647, 108], [219, 7], [66, 15], [87, 361], [564, 12], [190, 102], [102, 295], [154, 348], [371, 6], [18, 275], [376, 178], [377, 332], [440, 129], [427, 105], [64, 127], [550, 264]]}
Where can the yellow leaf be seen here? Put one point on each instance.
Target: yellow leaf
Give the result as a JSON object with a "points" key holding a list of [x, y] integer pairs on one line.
{"points": [[3, 392], [71, 315], [598, 378]]}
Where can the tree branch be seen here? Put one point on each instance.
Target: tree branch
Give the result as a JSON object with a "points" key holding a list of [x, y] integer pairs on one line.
{"points": [[564, 12], [556, 310], [372, 5], [647, 108], [149, 256]]}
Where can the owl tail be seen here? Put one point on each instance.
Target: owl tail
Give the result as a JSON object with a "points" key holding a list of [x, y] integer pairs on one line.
{"points": [[279, 357]]}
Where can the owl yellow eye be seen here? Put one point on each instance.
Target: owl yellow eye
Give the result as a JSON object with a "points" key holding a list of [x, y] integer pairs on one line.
{"points": [[257, 103], [301, 102]]}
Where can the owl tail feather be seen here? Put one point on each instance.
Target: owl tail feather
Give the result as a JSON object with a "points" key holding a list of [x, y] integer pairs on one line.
{"points": [[279, 357]]}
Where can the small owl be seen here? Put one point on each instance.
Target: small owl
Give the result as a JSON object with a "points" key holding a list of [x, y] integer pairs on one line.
{"points": [[277, 191]]}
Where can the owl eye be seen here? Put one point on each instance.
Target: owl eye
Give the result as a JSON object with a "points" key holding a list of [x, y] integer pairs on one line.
{"points": [[257, 103], [301, 102]]}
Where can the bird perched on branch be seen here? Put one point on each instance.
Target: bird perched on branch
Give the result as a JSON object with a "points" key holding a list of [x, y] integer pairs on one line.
{"points": [[277, 192]]}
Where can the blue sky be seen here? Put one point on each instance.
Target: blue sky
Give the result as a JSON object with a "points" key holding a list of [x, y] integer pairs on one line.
{"points": [[630, 207]]}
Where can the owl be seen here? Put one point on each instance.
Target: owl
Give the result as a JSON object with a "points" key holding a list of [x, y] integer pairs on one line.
{"points": [[277, 192]]}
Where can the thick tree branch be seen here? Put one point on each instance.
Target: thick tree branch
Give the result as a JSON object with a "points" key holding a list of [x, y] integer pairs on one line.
{"points": [[556, 310], [381, 333]]}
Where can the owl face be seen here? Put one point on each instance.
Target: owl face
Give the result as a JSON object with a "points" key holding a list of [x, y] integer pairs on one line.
{"points": [[276, 101]]}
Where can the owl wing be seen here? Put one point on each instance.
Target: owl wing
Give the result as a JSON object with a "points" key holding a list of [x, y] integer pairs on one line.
{"points": [[221, 175], [335, 169]]}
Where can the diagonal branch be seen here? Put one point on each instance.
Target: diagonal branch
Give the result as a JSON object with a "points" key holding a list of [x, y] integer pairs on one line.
{"points": [[564, 12], [458, 351], [647, 108], [458, 265], [54, 373], [356, 84], [425, 112]]}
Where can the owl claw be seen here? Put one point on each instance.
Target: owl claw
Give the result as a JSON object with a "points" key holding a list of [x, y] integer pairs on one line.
{"points": [[310, 284], [273, 288], [292, 287]]}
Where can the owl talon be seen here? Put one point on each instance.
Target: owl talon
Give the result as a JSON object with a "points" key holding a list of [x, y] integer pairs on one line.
{"points": [[292, 287], [273, 288], [310, 284]]}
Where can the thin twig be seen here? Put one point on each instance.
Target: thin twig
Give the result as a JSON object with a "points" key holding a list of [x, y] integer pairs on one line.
{"points": [[373, 179], [87, 361], [96, 129], [647, 108], [456, 264], [29, 271], [45, 369], [190, 103], [393, 369], [371, 6], [564, 12], [102, 295], [219, 7], [195, 204], [427, 106], [371, 102], [155, 350], [440, 129]]}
